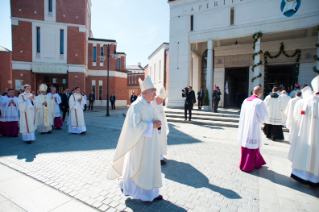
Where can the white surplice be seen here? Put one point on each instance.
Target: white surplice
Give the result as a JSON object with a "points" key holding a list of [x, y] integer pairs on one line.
{"points": [[45, 113], [253, 114], [289, 112], [27, 117], [76, 117], [57, 101], [164, 128], [284, 99], [274, 108], [305, 154], [137, 153], [9, 111]]}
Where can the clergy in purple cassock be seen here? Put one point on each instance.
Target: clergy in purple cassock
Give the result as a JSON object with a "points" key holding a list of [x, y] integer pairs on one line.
{"points": [[9, 121], [57, 123], [253, 114]]}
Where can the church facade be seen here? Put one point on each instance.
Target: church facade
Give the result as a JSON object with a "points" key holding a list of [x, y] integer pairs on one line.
{"points": [[239, 44]]}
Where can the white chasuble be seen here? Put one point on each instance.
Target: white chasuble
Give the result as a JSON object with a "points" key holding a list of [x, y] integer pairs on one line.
{"points": [[57, 101], [274, 108], [284, 99], [76, 111], [9, 111], [306, 151], [289, 112], [45, 113], [164, 128], [141, 146], [27, 115], [253, 114]]}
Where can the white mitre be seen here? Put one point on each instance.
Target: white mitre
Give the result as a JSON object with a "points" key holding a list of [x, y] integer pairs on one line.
{"points": [[146, 84], [315, 84], [162, 93], [306, 92], [43, 87]]}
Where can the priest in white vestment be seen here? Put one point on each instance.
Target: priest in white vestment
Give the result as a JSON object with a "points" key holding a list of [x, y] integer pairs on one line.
{"points": [[9, 121], [284, 99], [273, 128], [76, 117], [163, 132], [57, 122], [253, 114], [137, 154], [289, 111], [45, 111], [27, 115], [305, 154]]}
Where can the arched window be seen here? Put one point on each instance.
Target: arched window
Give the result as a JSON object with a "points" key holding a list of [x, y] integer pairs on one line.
{"points": [[204, 70]]}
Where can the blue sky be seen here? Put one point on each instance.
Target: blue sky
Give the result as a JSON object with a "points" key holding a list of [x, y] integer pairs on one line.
{"points": [[138, 26]]}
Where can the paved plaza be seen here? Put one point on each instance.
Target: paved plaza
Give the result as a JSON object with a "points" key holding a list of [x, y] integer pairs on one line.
{"points": [[201, 173]]}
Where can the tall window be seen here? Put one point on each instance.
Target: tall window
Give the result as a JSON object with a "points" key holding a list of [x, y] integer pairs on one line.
{"points": [[94, 54], [102, 52], [232, 17], [100, 89], [61, 41], [38, 39], [93, 86], [119, 64], [159, 71], [50, 5], [192, 22]]}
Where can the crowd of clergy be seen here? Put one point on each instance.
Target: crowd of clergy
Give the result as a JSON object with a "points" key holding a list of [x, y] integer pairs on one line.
{"points": [[299, 112], [28, 113]]}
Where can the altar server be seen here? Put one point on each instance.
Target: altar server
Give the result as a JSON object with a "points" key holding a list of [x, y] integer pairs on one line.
{"points": [[253, 114], [305, 160], [9, 121], [76, 117], [284, 99], [27, 115], [158, 106], [57, 123], [138, 149], [45, 107], [273, 128]]}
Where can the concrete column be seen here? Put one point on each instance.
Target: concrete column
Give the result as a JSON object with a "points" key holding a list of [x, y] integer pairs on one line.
{"points": [[257, 60], [210, 74]]}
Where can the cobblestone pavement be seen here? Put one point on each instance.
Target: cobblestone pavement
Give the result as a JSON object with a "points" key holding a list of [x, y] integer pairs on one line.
{"points": [[201, 173]]}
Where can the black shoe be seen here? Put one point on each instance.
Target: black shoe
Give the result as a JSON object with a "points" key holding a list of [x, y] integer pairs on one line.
{"points": [[160, 197], [58, 128], [83, 133], [49, 132], [190, 120], [163, 162], [42, 133], [16, 136], [29, 142]]}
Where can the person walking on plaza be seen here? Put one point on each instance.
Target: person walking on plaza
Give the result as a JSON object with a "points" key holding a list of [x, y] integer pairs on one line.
{"points": [[163, 132], [293, 93], [216, 98], [133, 98], [189, 102], [253, 114], [91, 100], [57, 123], [305, 155], [9, 120], [20, 92], [290, 109], [27, 115], [76, 117], [200, 97], [64, 103], [85, 98], [112, 100], [273, 125], [284, 99], [45, 106], [138, 149]]}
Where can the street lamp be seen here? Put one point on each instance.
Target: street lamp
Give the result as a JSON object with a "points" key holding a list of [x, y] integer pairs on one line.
{"points": [[102, 58]]}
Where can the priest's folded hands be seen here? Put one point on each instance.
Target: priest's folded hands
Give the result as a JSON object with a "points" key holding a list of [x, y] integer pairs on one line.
{"points": [[157, 124]]}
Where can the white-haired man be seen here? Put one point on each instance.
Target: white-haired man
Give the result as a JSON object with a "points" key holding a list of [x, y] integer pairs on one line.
{"points": [[57, 123], [137, 152]]}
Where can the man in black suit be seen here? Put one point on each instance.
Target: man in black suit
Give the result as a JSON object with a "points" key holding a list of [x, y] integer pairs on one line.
{"points": [[112, 100], [91, 100], [200, 97], [133, 97], [190, 100], [64, 102], [216, 98]]}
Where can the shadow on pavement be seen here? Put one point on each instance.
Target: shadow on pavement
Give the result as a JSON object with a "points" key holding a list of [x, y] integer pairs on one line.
{"points": [[156, 205], [188, 175]]}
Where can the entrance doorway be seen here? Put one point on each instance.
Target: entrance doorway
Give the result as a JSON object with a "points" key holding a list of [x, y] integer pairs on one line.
{"points": [[237, 81], [57, 80], [280, 76]]}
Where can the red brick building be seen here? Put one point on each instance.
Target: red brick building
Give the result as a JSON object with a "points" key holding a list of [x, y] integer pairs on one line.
{"points": [[134, 72], [5, 69], [52, 43]]}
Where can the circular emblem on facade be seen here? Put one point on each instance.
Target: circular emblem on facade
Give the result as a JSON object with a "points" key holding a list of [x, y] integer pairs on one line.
{"points": [[290, 7]]}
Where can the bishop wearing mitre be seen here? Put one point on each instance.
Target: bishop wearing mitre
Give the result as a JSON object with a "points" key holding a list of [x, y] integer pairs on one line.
{"points": [[138, 149], [57, 122], [9, 120], [163, 132], [76, 117], [253, 114], [27, 115], [45, 111], [305, 155]]}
